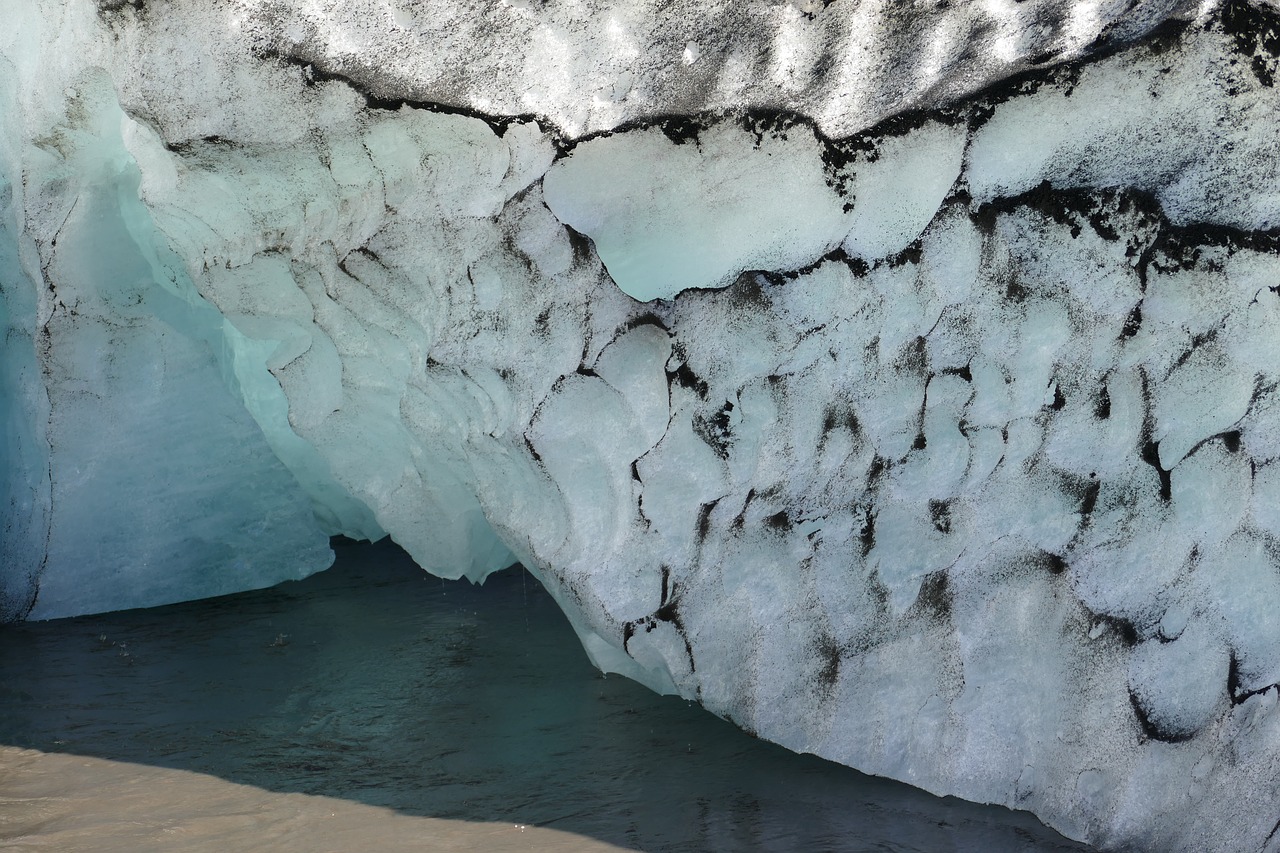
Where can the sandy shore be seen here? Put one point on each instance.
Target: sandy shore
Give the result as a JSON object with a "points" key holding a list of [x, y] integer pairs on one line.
{"points": [[69, 803]]}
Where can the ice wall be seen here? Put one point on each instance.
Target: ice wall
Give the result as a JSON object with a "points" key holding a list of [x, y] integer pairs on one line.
{"points": [[896, 408], [134, 472]]}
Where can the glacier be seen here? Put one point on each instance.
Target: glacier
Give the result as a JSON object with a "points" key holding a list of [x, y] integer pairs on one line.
{"points": [[898, 381]]}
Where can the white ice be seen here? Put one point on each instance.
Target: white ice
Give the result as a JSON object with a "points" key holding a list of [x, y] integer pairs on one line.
{"points": [[945, 448]]}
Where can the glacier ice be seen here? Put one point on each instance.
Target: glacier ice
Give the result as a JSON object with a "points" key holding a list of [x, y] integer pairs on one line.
{"points": [[899, 383], [666, 215]]}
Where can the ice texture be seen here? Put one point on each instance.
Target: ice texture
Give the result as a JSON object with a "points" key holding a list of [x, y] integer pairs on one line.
{"points": [[667, 213], [916, 406], [163, 485]]}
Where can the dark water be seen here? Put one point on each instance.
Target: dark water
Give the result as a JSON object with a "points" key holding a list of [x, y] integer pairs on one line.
{"points": [[377, 684]]}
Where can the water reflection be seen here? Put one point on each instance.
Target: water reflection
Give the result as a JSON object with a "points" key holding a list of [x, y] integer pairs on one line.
{"points": [[379, 685]]}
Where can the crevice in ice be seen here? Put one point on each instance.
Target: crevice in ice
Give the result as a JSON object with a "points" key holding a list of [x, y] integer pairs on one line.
{"points": [[107, 7], [1151, 455], [1230, 440], [715, 429], [581, 243], [1120, 629], [702, 528], [668, 612], [1112, 212], [779, 521], [1149, 448], [1089, 500], [193, 148], [1053, 563], [1237, 693], [748, 285], [1150, 726], [316, 71], [1270, 835], [867, 528], [686, 378]]}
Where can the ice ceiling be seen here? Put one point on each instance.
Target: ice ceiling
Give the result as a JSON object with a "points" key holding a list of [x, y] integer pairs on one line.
{"points": [[899, 381]]}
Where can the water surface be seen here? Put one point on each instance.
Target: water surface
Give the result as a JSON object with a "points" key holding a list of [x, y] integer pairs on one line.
{"points": [[375, 695]]}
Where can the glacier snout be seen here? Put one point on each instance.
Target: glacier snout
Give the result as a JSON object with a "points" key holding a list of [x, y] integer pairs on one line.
{"points": [[920, 412]]}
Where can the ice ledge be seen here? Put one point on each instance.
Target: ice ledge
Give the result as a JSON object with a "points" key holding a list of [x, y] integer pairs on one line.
{"points": [[599, 65]]}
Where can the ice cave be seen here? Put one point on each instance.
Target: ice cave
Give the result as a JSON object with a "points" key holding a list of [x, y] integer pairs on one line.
{"points": [[895, 379]]}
